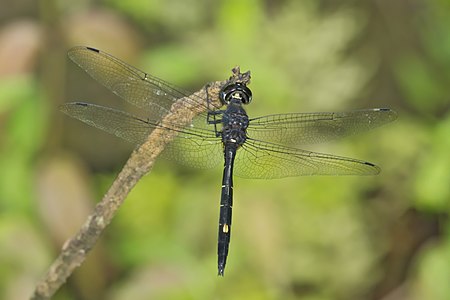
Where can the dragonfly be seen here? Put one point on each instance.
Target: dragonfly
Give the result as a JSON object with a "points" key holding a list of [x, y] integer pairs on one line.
{"points": [[262, 147]]}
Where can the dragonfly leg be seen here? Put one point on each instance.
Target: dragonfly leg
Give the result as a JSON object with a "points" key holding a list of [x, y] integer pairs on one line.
{"points": [[212, 113], [214, 121]]}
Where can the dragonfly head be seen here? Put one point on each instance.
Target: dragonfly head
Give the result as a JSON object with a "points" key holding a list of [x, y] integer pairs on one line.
{"points": [[237, 92]]}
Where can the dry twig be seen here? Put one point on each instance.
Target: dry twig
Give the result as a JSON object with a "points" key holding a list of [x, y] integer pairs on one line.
{"points": [[75, 250]]}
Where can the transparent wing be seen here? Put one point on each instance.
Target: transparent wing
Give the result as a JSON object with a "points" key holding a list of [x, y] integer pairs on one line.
{"points": [[311, 128], [194, 152], [145, 91], [121, 124], [256, 159], [195, 145]]}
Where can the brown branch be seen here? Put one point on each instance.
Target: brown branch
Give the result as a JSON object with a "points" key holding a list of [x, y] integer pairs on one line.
{"points": [[75, 250]]}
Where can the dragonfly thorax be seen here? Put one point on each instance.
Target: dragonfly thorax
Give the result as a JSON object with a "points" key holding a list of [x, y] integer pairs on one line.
{"points": [[234, 124]]}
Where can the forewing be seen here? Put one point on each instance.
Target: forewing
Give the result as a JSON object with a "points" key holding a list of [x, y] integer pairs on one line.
{"points": [[310, 128], [145, 91]]}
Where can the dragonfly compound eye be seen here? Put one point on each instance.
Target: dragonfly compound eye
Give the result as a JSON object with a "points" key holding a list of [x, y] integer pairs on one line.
{"points": [[236, 91]]}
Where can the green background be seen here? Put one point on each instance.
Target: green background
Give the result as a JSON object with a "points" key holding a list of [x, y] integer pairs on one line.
{"points": [[381, 237]]}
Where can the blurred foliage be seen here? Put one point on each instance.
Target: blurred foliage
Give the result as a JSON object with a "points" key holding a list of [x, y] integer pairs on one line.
{"points": [[310, 238], [433, 176], [22, 135], [25, 132]]}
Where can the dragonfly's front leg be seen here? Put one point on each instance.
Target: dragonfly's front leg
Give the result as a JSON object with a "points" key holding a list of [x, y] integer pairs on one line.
{"points": [[211, 119]]}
